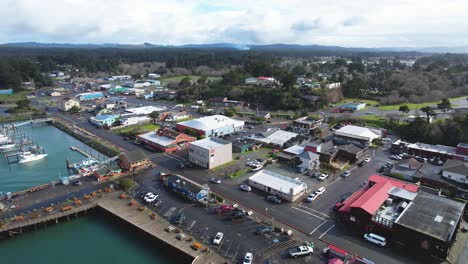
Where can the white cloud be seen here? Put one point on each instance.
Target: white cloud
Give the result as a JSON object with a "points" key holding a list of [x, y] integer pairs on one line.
{"points": [[333, 22]]}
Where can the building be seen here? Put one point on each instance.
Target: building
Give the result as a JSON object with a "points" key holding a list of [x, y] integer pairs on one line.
{"points": [[134, 160], [273, 137], [107, 172], [308, 160], [120, 78], [251, 81], [456, 171], [166, 94], [153, 76], [138, 84], [224, 101], [165, 140], [428, 151], [131, 119], [283, 187], [265, 81], [333, 150], [174, 116], [406, 169], [104, 120], [118, 90], [89, 96], [429, 223], [211, 126], [55, 94], [452, 179], [333, 85], [210, 152], [187, 188], [361, 135], [289, 155], [145, 110], [306, 124], [352, 107], [6, 91], [66, 104], [240, 145]]}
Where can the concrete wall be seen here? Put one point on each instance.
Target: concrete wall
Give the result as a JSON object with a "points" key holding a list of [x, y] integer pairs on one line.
{"points": [[203, 158]]}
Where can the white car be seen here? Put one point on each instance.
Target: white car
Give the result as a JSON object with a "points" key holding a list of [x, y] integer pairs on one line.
{"points": [[320, 190], [217, 239], [248, 258], [311, 197], [151, 199], [368, 159], [259, 167], [323, 176], [245, 187]]}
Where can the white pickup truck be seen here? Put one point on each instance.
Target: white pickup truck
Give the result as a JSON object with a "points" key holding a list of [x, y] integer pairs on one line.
{"points": [[300, 251]]}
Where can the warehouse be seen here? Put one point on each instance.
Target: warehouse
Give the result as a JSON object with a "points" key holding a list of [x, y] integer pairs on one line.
{"points": [[211, 126], [210, 152], [283, 187], [358, 134]]}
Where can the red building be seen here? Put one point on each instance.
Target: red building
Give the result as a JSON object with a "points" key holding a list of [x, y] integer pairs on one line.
{"points": [[165, 140]]}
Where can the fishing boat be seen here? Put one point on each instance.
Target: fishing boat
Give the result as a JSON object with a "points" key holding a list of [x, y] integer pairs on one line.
{"points": [[28, 157], [7, 145]]}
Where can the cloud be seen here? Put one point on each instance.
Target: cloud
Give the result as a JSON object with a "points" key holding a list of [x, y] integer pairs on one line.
{"points": [[340, 22]]}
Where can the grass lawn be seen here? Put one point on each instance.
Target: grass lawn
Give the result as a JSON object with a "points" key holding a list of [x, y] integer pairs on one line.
{"points": [[396, 106], [193, 77], [146, 127], [15, 97], [373, 121], [239, 173], [185, 119], [350, 100]]}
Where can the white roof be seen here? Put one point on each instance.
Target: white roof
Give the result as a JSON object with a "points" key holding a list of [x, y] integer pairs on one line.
{"points": [[358, 132], [296, 149], [212, 122], [278, 182], [279, 137], [160, 140], [145, 110], [210, 143]]}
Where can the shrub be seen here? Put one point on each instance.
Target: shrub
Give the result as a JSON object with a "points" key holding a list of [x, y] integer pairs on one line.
{"points": [[126, 184]]}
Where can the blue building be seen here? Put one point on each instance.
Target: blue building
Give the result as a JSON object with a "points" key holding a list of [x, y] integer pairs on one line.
{"points": [[104, 120], [7, 91], [187, 188], [89, 96], [355, 106]]}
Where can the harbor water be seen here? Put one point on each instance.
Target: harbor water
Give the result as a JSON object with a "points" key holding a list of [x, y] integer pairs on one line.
{"points": [[90, 239]]}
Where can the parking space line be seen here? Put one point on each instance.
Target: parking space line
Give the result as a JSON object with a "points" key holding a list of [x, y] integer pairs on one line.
{"points": [[192, 225], [321, 218], [235, 254], [318, 227], [326, 231], [315, 211], [170, 211], [227, 251]]}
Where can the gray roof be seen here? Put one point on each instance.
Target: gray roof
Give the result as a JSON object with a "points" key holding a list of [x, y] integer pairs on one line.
{"points": [[351, 148], [456, 166], [432, 215], [308, 155], [135, 155]]}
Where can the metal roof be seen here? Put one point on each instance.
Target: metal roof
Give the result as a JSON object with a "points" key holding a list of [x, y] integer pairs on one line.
{"points": [[278, 182], [358, 132], [211, 122], [210, 143]]}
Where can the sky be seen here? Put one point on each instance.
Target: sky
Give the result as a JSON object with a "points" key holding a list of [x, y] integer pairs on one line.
{"points": [[348, 23]]}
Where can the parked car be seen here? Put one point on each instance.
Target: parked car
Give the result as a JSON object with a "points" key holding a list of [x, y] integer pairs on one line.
{"points": [[381, 169], [236, 214], [345, 174], [314, 174], [245, 187], [248, 259], [323, 176], [217, 239], [264, 230], [180, 165], [320, 190], [273, 199], [376, 239], [179, 218], [226, 208], [215, 180], [259, 167], [300, 251], [368, 159], [311, 197]]}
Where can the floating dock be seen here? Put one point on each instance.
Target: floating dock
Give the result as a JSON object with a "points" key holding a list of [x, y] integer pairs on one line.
{"points": [[82, 152]]}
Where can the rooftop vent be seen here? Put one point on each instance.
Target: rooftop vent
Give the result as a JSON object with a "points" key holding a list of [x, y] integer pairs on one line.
{"points": [[438, 218]]}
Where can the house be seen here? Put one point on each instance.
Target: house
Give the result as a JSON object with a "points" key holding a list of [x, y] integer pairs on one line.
{"points": [[333, 150], [357, 134], [54, 94], [288, 155], [333, 85], [428, 151], [224, 101], [118, 90], [306, 124], [211, 126], [174, 116], [134, 160], [452, 179], [308, 160], [166, 94], [187, 188], [104, 120], [120, 77], [67, 103], [107, 172], [210, 152], [242, 145], [406, 169], [6, 91], [283, 187], [165, 140], [456, 171], [251, 81], [89, 96], [265, 81], [145, 110], [273, 137]]}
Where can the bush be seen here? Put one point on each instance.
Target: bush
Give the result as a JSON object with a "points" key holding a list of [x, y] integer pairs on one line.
{"points": [[126, 184]]}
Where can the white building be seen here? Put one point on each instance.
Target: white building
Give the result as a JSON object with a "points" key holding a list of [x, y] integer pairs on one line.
{"points": [[121, 77], [153, 76], [67, 103], [210, 152], [131, 119], [139, 84], [273, 136], [283, 187], [333, 85], [456, 170], [357, 133], [145, 110], [212, 126]]}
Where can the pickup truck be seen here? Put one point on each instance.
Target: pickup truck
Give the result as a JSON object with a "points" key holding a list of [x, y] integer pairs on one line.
{"points": [[300, 251]]}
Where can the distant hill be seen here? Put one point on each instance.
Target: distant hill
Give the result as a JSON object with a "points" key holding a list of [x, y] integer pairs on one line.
{"points": [[269, 47]]}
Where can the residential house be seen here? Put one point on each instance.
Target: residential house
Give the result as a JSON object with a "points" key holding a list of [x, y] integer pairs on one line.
{"points": [[289, 155], [452, 179], [165, 140], [225, 102], [174, 116], [406, 169], [67, 103], [306, 124], [134, 160], [332, 151], [107, 172], [308, 160]]}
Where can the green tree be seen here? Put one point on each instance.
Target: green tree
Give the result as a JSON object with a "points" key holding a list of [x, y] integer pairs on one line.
{"points": [[444, 105], [288, 80], [154, 115], [429, 111], [404, 109], [74, 109], [23, 104], [185, 82]]}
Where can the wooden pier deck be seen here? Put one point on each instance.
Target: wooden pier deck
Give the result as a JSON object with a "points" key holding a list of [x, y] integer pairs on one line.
{"points": [[82, 152]]}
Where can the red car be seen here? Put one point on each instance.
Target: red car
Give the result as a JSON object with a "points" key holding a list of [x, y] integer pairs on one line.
{"points": [[224, 208]]}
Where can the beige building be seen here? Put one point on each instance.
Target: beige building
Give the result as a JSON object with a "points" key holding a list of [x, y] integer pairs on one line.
{"points": [[67, 103], [210, 152]]}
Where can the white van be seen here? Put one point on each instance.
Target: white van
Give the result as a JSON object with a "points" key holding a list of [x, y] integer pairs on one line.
{"points": [[376, 239]]}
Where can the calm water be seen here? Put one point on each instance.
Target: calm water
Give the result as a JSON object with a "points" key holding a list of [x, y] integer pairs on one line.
{"points": [[57, 144], [92, 239]]}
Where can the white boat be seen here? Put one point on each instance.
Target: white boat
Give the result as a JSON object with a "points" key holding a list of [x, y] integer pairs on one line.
{"points": [[4, 139], [7, 145], [28, 157]]}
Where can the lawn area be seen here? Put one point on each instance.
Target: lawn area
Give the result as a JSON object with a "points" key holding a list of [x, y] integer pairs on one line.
{"points": [[350, 100], [411, 106], [395, 106], [177, 79], [373, 120], [14, 97], [239, 173], [145, 127], [185, 119]]}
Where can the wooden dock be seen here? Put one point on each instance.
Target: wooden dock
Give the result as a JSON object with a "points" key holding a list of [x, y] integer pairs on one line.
{"points": [[82, 152]]}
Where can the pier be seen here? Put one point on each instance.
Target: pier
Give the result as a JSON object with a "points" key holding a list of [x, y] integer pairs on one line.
{"points": [[82, 152], [34, 122], [121, 206]]}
